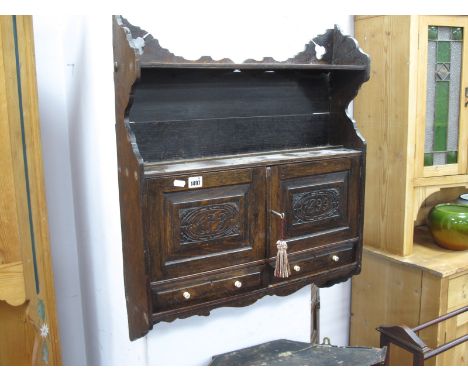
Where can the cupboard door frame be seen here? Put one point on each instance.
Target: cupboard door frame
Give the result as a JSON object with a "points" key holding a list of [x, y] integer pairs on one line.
{"points": [[174, 253], [340, 175], [462, 166]]}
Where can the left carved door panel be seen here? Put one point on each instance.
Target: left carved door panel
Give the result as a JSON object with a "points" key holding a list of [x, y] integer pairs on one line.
{"points": [[217, 224]]}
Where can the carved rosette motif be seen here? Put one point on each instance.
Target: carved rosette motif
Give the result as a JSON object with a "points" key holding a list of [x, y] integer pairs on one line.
{"points": [[206, 223], [313, 206]]}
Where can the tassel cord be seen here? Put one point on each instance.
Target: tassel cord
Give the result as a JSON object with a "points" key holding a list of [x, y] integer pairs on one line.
{"points": [[282, 268]]}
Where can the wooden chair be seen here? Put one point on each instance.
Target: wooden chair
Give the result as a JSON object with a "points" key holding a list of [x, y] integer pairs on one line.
{"points": [[406, 338]]}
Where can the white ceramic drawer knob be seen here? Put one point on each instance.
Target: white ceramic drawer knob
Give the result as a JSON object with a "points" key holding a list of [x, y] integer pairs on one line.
{"points": [[238, 284], [186, 295], [297, 268], [335, 258]]}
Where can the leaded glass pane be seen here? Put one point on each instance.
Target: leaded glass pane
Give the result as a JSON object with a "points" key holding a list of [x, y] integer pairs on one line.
{"points": [[454, 96], [443, 95], [441, 116], [444, 33], [432, 34], [430, 97], [439, 159], [457, 34], [443, 51], [428, 159], [443, 72], [452, 157]]}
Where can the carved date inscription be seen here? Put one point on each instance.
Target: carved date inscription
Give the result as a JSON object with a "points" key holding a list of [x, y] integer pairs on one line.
{"points": [[316, 205], [206, 223]]}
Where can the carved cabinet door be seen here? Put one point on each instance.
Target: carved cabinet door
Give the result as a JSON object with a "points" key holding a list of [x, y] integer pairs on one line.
{"points": [[320, 200], [206, 221]]}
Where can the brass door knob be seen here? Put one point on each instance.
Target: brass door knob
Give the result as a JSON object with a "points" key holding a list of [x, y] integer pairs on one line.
{"points": [[186, 295]]}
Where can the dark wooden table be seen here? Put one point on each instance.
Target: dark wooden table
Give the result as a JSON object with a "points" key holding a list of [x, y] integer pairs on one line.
{"points": [[294, 353]]}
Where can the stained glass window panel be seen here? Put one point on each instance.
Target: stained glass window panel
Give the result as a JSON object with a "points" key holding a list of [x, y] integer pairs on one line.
{"points": [[443, 95]]}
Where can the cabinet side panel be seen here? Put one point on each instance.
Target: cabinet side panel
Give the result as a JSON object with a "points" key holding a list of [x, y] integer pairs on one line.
{"points": [[433, 301], [381, 112], [130, 180], [454, 296], [385, 293]]}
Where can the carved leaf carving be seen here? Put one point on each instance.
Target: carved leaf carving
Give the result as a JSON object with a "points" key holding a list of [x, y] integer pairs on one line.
{"points": [[316, 205], [206, 223]]}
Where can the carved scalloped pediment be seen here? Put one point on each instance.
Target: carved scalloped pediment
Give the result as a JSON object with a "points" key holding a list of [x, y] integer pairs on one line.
{"points": [[331, 47]]}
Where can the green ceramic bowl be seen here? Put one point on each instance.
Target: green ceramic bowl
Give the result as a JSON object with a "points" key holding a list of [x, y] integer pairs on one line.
{"points": [[449, 225]]}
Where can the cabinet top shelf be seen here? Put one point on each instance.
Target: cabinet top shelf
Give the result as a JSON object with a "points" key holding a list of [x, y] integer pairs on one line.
{"points": [[329, 51], [260, 159], [252, 66]]}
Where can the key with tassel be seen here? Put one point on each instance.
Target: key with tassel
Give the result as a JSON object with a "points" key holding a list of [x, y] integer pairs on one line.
{"points": [[282, 268]]}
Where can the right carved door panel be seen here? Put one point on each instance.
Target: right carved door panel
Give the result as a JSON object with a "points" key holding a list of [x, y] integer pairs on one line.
{"points": [[320, 201]]}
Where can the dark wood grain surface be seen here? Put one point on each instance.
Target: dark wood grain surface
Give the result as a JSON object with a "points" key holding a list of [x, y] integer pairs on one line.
{"points": [[257, 136], [219, 225], [295, 353], [130, 172]]}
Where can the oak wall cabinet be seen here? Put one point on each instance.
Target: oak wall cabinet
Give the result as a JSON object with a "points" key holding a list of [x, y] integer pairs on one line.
{"points": [[211, 153], [413, 115]]}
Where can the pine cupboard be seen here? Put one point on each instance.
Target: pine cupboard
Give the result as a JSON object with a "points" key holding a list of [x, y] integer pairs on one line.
{"points": [[413, 115]]}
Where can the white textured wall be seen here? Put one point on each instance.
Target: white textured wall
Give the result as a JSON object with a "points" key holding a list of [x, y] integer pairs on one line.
{"points": [[51, 76], [75, 78]]}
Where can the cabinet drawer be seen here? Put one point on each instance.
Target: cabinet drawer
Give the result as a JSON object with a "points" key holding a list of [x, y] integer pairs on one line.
{"points": [[200, 290], [312, 262]]}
